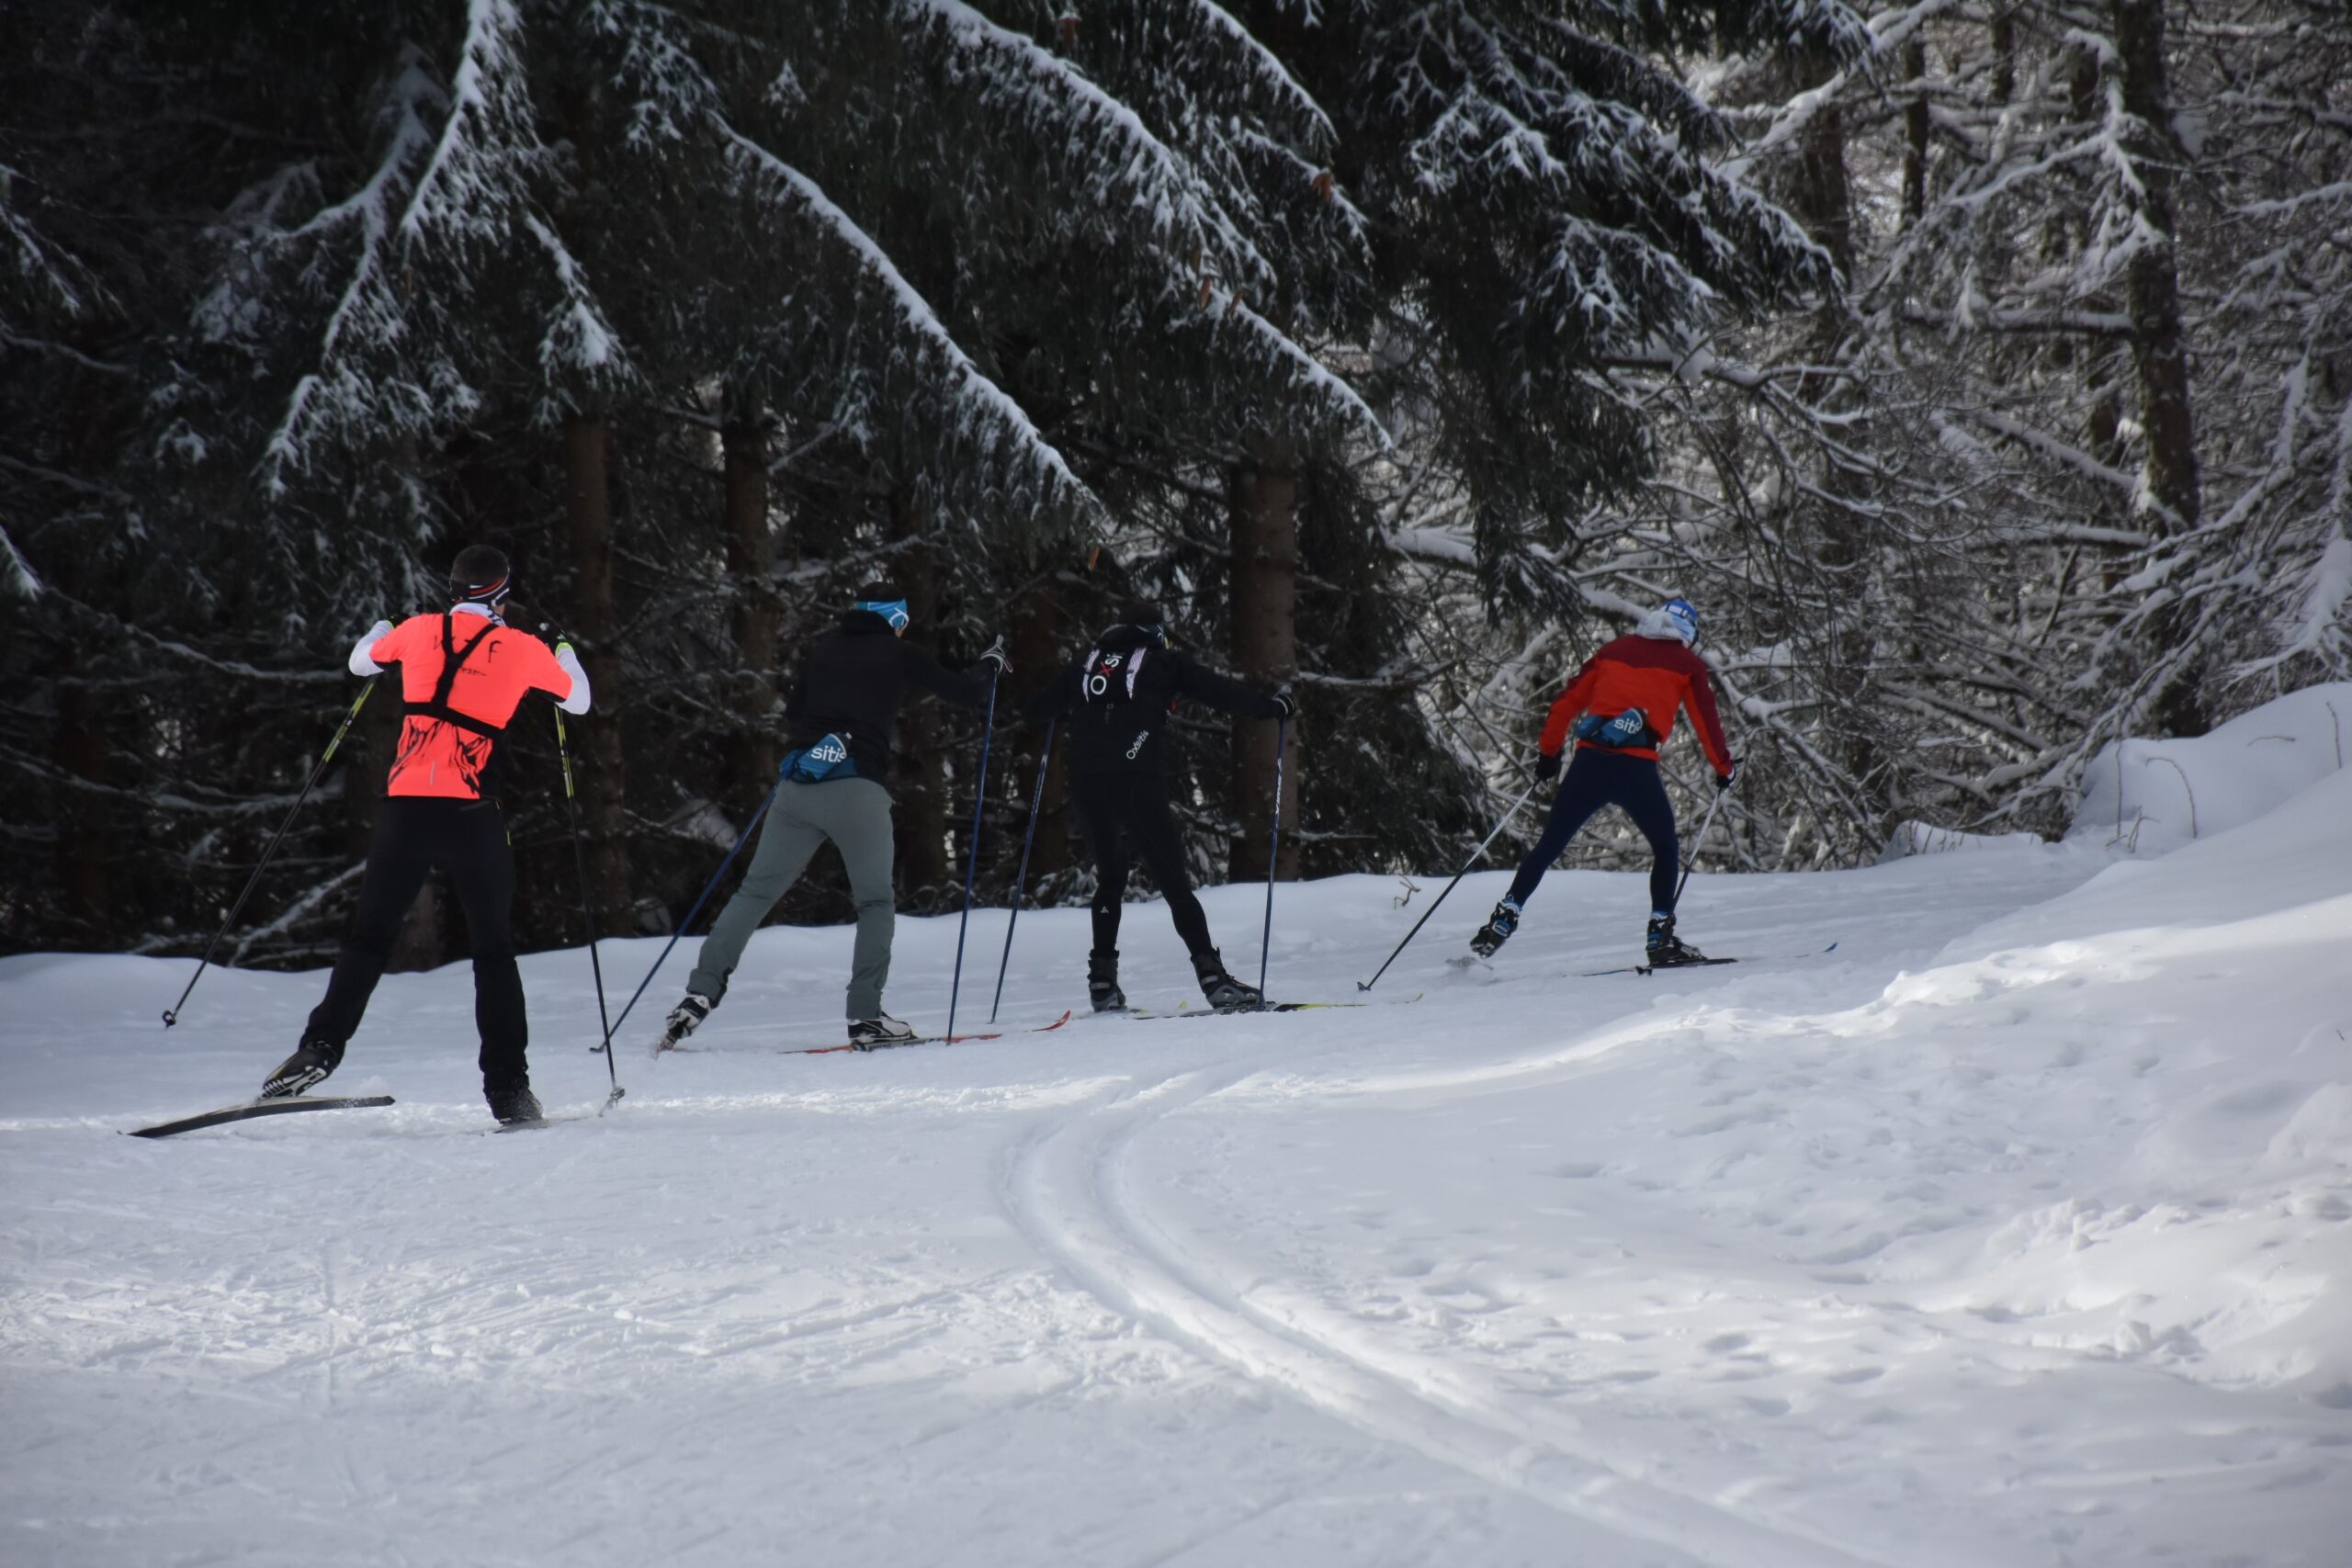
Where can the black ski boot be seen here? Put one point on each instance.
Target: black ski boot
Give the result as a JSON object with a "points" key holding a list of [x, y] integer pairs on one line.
{"points": [[684, 1020], [1666, 950], [303, 1071], [880, 1031], [1102, 982], [1498, 929], [514, 1106], [1225, 993]]}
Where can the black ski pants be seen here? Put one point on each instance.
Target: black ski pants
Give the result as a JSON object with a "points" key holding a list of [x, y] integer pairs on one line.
{"points": [[1596, 778], [413, 836], [1113, 808]]}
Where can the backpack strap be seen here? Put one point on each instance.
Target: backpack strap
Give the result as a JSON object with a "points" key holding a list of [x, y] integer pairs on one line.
{"points": [[453, 659]]}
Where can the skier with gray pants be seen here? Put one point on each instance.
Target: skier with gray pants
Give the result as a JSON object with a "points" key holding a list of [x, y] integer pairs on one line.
{"points": [[843, 715]]}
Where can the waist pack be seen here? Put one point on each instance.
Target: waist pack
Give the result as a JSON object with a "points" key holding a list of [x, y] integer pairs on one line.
{"points": [[1629, 728], [827, 759]]}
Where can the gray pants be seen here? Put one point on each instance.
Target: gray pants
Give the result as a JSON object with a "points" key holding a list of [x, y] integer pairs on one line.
{"points": [[855, 815]]}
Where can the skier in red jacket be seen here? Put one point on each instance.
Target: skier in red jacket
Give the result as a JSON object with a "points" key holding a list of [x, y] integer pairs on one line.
{"points": [[1621, 708], [463, 673]]}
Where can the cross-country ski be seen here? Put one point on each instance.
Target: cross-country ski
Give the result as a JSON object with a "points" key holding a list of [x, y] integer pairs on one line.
{"points": [[255, 1108]]}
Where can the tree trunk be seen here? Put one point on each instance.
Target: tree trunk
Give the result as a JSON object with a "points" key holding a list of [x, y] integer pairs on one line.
{"points": [[750, 563], [1822, 200], [2004, 52], [602, 756], [1915, 136], [79, 751], [2150, 284], [1262, 501]]}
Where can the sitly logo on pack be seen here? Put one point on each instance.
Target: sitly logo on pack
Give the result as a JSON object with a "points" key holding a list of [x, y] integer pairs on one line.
{"points": [[829, 749], [1141, 736]]}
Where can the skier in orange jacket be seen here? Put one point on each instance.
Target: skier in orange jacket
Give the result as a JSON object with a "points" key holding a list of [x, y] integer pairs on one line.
{"points": [[1621, 708], [463, 673]]}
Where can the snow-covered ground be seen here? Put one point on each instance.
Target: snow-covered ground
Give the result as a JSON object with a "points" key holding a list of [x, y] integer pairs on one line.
{"points": [[2016, 1230]]}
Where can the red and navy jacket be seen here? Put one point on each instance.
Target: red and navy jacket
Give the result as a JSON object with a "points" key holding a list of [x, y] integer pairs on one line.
{"points": [[1654, 674]]}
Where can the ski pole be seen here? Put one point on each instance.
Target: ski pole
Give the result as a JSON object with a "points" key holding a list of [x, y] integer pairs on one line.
{"points": [[1273, 844], [699, 900], [172, 1013], [587, 906], [1020, 877], [1696, 839], [1476, 855], [972, 860]]}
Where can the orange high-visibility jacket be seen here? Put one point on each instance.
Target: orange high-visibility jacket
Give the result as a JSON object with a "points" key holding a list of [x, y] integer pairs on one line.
{"points": [[444, 751], [1655, 675]]}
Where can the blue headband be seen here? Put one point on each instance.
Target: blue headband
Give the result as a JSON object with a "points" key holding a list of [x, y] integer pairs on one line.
{"points": [[891, 610]]}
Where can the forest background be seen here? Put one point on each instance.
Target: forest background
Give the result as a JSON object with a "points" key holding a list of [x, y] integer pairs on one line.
{"points": [[1983, 371]]}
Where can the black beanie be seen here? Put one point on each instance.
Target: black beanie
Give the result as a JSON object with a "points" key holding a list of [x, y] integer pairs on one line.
{"points": [[480, 574]]}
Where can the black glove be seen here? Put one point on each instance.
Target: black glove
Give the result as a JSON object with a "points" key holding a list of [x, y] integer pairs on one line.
{"points": [[1284, 704], [1722, 781], [996, 655], [1547, 766]]}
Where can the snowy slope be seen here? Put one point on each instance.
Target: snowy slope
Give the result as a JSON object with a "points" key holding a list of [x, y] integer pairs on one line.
{"points": [[2017, 1230]]}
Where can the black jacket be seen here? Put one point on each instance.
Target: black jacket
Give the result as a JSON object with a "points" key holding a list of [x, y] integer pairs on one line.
{"points": [[852, 682], [1115, 701]]}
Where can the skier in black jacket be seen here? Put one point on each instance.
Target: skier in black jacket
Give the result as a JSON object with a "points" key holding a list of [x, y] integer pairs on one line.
{"points": [[1115, 701], [843, 717]]}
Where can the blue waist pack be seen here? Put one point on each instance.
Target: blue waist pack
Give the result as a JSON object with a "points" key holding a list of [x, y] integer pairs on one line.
{"points": [[827, 759], [1631, 728]]}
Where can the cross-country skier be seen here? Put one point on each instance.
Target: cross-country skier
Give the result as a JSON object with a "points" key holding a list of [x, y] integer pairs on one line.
{"points": [[463, 673], [1117, 699], [843, 715], [1621, 709]]}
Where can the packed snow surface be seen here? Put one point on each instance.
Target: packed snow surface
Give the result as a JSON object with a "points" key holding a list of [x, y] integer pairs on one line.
{"points": [[2015, 1230]]}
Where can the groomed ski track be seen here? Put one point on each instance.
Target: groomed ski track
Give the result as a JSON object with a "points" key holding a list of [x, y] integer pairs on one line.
{"points": [[1070, 1190]]}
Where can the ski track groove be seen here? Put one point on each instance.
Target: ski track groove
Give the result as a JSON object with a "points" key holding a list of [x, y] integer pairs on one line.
{"points": [[1066, 1187]]}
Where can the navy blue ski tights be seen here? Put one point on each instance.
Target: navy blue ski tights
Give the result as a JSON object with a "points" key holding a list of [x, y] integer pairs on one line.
{"points": [[1596, 778]]}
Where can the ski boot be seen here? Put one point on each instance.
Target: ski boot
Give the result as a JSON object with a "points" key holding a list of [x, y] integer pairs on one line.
{"points": [[1225, 993], [1498, 929], [1665, 948], [511, 1106], [870, 1034], [1102, 982], [683, 1019], [306, 1069]]}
